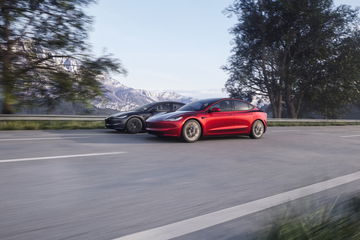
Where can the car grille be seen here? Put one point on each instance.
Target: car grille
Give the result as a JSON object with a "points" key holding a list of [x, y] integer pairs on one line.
{"points": [[108, 120]]}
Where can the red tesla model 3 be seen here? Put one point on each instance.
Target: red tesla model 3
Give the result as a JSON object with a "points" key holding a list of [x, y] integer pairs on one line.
{"points": [[215, 116]]}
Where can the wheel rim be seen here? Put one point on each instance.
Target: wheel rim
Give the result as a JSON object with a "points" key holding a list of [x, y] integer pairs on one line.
{"points": [[192, 131], [258, 129], [134, 125]]}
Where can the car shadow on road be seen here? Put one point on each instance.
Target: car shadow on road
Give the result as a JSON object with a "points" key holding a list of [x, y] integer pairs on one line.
{"points": [[108, 136], [144, 138]]}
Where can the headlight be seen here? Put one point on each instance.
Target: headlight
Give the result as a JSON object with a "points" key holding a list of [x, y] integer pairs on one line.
{"points": [[173, 119], [121, 117]]}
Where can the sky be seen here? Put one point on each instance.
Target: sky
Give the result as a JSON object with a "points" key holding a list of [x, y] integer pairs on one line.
{"points": [[177, 45]]}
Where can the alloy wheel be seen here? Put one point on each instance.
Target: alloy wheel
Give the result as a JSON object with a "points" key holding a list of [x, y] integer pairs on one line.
{"points": [[257, 130], [134, 125], [191, 131]]}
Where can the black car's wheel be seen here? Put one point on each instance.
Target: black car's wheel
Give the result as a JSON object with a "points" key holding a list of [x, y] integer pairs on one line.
{"points": [[257, 129], [191, 131], [134, 125]]}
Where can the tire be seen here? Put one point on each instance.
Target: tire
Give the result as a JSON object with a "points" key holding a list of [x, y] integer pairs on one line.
{"points": [[134, 125], [191, 131], [257, 129]]}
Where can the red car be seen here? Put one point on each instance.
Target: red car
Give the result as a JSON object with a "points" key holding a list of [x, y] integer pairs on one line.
{"points": [[216, 116]]}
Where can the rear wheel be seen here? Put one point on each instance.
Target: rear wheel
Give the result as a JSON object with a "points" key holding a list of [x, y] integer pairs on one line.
{"points": [[191, 131], [134, 125], [257, 129]]}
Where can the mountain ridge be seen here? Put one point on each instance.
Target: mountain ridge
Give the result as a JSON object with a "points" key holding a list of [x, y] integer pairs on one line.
{"points": [[119, 97]]}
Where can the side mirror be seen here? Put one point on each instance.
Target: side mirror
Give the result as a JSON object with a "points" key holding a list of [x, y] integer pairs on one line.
{"points": [[215, 109]]}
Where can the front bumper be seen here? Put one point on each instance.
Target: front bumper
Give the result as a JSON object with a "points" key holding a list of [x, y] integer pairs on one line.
{"points": [[115, 123], [164, 128]]}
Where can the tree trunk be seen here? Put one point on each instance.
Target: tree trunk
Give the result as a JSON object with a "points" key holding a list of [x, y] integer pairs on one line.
{"points": [[290, 101], [290, 107], [291, 110], [7, 78], [279, 106], [276, 106]]}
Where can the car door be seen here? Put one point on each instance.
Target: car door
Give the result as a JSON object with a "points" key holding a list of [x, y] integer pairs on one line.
{"points": [[222, 122], [243, 116]]}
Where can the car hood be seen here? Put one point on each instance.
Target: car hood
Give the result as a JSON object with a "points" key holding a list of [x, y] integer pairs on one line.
{"points": [[165, 116], [122, 114]]}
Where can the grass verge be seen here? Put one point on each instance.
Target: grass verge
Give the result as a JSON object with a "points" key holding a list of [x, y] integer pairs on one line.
{"points": [[47, 125], [338, 221]]}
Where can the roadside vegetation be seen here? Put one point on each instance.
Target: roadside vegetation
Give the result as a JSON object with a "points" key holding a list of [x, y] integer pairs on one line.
{"points": [[302, 56], [46, 125], [336, 221], [45, 55], [96, 124]]}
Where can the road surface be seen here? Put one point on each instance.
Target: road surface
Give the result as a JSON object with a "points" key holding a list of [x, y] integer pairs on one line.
{"points": [[100, 184]]}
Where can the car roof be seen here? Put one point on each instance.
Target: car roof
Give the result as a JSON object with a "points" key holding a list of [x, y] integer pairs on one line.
{"points": [[232, 99], [222, 99], [213, 99], [169, 102]]}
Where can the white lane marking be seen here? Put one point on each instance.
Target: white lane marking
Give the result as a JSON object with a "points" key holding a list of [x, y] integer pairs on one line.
{"points": [[211, 219], [350, 136], [36, 139], [86, 134], [74, 134], [59, 157], [54, 137]]}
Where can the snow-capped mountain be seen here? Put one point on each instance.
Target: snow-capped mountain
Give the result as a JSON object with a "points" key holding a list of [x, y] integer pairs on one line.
{"points": [[117, 97], [122, 98]]}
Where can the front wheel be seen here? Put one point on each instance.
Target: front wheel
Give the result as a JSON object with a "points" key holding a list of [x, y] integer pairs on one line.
{"points": [[191, 131], [134, 125], [257, 129]]}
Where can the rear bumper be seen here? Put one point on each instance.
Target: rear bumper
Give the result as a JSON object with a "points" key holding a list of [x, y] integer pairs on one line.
{"points": [[171, 129]]}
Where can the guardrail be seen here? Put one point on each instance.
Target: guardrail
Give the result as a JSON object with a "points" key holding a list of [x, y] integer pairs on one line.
{"points": [[24, 117]]}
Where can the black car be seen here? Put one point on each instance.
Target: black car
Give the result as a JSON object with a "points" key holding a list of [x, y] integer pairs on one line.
{"points": [[134, 121]]}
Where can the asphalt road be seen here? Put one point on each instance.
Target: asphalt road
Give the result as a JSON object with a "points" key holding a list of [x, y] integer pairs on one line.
{"points": [[99, 184]]}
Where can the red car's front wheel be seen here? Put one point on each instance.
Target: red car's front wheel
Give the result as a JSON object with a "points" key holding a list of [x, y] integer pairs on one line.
{"points": [[257, 129], [191, 131]]}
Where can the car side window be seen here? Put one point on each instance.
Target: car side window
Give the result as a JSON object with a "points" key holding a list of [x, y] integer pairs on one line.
{"points": [[163, 107], [241, 106], [225, 106], [176, 106]]}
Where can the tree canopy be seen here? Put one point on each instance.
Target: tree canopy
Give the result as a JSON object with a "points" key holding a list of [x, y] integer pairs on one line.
{"points": [[300, 55], [44, 54]]}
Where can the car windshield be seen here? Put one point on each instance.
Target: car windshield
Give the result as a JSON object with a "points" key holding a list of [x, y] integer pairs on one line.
{"points": [[144, 108], [198, 105]]}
